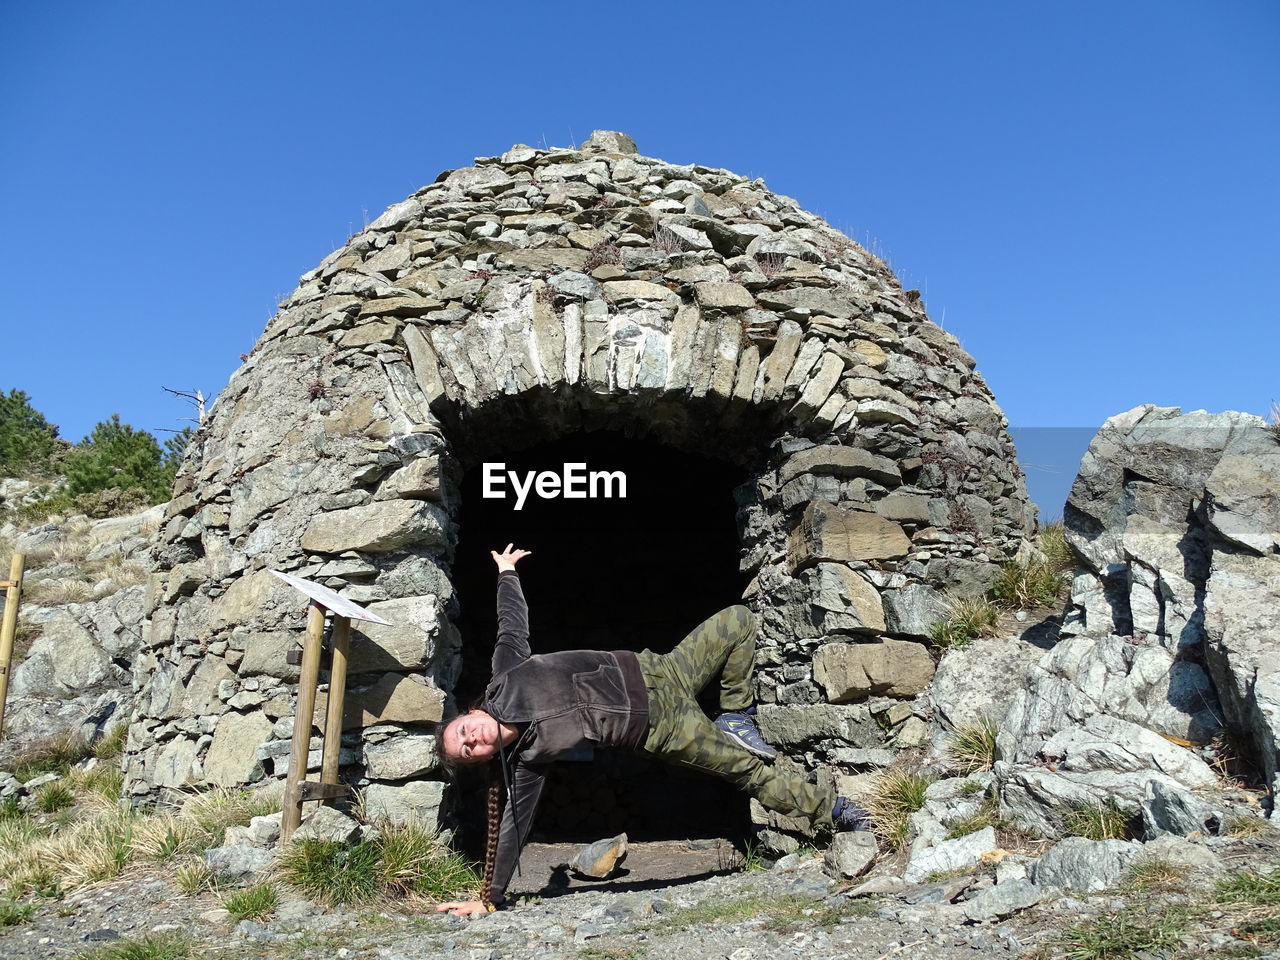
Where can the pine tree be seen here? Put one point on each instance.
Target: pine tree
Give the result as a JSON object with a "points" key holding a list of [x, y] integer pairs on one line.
{"points": [[116, 455], [27, 441]]}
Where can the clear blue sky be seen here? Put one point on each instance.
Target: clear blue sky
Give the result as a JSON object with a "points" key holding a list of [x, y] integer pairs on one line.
{"points": [[1086, 193]]}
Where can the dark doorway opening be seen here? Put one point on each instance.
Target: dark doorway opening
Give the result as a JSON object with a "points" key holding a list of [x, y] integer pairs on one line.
{"points": [[607, 572]]}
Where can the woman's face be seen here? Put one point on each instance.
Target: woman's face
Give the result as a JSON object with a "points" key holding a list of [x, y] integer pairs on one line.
{"points": [[471, 738]]}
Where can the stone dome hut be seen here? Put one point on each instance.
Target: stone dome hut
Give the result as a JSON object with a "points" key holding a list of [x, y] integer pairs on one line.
{"points": [[791, 426]]}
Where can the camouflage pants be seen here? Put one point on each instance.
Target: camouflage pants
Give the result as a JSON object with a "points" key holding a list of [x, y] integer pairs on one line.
{"points": [[722, 649]]}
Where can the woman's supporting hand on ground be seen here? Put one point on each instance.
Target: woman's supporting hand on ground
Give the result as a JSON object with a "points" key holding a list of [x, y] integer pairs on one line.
{"points": [[506, 560], [462, 908]]}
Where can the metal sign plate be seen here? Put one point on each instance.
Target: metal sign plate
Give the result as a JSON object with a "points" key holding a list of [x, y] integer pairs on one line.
{"points": [[322, 595]]}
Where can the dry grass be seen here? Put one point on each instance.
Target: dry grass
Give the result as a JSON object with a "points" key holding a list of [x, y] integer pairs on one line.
{"points": [[87, 580], [1248, 825], [1052, 542], [215, 810], [98, 839], [896, 794], [165, 837], [973, 747], [1148, 872], [120, 571], [58, 591], [54, 754], [67, 855]]}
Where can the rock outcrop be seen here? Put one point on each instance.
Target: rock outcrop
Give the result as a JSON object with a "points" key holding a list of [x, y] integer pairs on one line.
{"points": [[82, 601], [1172, 634]]}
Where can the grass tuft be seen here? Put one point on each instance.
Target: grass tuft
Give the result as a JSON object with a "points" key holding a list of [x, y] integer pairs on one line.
{"points": [[1052, 541], [165, 946], [415, 862], [215, 810], [1125, 934], [54, 754], [973, 746], [986, 815], [1247, 825], [404, 861], [896, 794], [1099, 821], [13, 913], [1034, 583], [165, 837], [1148, 872], [111, 745], [105, 780], [966, 619], [55, 796], [194, 877], [254, 903], [1251, 889], [332, 872]]}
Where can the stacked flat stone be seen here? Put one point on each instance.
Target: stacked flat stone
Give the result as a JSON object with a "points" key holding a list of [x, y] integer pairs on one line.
{"points": [[532, 295]]}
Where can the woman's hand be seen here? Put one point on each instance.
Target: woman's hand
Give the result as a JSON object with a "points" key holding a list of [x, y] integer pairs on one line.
{"points": [[506, 560], [462, 908]]}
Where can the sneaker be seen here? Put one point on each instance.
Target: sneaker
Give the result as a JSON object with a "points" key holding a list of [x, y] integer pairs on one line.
{"points": [[849, 815], [742, 730]]}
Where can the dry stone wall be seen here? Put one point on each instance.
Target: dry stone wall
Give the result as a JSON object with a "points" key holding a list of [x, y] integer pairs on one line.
{"points": [[534, 295]]}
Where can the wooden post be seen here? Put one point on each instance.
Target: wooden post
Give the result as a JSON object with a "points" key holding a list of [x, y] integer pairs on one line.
{"points": [[333, 707], [291, 817], [9, 627]]}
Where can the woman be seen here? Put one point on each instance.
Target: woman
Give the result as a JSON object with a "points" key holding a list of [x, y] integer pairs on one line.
{"points": [[556, 706]]}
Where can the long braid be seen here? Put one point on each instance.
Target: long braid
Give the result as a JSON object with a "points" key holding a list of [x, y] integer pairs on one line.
{"points": [[493, 826]]}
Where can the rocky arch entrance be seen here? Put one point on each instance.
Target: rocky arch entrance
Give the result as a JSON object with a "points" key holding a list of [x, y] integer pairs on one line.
{"points": [[608, 572]]}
